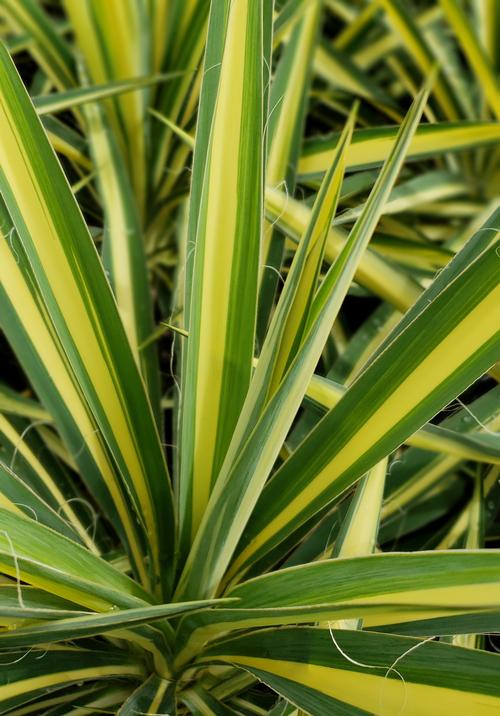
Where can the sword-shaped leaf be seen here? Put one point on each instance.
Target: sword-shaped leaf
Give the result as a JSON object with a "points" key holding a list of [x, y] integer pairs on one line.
{"points": [[66, 295], [357, 672], [412, 379]]}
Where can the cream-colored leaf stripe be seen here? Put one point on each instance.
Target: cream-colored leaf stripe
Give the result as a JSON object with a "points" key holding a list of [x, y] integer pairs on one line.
{"points": [[72, 283], [371, 146], [474, 52], [32, 318], [30, 678], [124, 251], [222, 307], [8, 430], [323, 671], [103, 30], [373, 272], [418, 389], [430, 437], [286, 110], [266, 416], [265, 410]]}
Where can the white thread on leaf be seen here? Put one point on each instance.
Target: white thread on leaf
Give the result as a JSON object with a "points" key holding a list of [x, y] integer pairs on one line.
{"points": [[17, 570], [94, 516], [16, 661], [82, 447], [212, 67], [482, 425], [278, 101], [391, 668], [285, 206], [273, 268], [28, 507], [26, 430], [346, 656], [10, 238]]}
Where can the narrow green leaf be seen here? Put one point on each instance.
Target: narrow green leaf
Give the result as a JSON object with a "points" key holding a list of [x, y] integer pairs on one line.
{"points": [[404, 386], [46, 45], [474, 53], [71, 287], [61, 101], [250, 459], [31, 677], [226, 218], [124, 251], [35, 554], [102, 31], [155, 695], [94, 624], [380, 588], [373, 272], [370, 146], [357, 672]]}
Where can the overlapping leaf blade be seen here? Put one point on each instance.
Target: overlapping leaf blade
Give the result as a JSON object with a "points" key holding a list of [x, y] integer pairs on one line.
{"points": [[69, 285], [355, 672], [225, 227]]}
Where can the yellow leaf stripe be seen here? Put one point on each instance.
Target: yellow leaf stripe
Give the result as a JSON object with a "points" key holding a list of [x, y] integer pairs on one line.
{"points": [[228, 232], [365, 690], [33, 318], [372, 146], [474, 53], [455, 350]]}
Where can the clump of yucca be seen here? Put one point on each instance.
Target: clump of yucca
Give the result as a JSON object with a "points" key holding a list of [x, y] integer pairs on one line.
{"points": [[248, 275]]}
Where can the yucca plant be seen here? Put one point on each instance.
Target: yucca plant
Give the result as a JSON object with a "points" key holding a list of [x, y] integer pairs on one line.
{"points": [[249, 289]]}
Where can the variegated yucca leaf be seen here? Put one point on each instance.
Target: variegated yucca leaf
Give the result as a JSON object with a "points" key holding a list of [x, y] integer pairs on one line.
{"points": [[250, 350], [225, 228], [353, 672], [413, 380], [370, 146], [68, 303]]}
